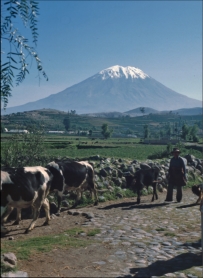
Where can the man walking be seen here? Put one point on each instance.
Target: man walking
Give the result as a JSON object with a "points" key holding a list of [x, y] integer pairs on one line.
{"points": [[177, 176]]}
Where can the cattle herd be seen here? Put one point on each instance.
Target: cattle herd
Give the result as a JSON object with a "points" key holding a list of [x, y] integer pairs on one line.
{"points": [[30, 186]]}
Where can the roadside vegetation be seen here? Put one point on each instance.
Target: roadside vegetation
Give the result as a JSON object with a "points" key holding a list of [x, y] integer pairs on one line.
{"points": [[25, 248]]}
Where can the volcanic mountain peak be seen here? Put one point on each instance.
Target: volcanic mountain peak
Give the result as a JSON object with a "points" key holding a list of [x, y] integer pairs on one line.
{"points": [[119, 71], [118, 88]]}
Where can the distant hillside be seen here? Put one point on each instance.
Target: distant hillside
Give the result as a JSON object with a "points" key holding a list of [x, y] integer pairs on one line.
{"points": [[189, 111], [137, 112], [50, 119]]}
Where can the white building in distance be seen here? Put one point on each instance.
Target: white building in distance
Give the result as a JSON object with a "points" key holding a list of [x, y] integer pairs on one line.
{"points": [[18, 131]]}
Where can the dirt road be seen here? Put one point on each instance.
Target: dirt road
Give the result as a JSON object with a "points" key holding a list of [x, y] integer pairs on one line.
{"points": [[148, 240]]}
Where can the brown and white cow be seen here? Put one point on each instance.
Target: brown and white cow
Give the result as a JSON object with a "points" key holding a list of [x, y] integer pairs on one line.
{"points": [[22, 188]]}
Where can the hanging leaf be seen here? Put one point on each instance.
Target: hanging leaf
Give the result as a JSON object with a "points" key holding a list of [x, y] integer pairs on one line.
{"points": [[28, 11]]}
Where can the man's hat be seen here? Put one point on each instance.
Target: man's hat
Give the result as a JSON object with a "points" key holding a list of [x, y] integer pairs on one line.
{"points": [[175, 150]]}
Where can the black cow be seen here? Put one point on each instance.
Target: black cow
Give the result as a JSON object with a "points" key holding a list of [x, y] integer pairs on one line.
{"points": [[22, 188], [144, 177], [197, 189], [72, 176]]}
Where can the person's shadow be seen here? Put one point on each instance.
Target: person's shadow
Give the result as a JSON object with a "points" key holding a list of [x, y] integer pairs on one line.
{"points": [[161, 267]]}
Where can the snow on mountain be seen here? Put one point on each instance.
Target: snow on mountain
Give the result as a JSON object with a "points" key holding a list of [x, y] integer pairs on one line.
{"points": [[118, 72], [113, 89]]}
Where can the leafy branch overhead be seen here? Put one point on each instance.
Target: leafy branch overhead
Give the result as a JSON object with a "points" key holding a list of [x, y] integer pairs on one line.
{"points": [[15, 47]]}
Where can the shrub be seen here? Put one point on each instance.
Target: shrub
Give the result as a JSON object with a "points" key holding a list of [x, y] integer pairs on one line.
{"points": [[195, 138], [158, 155], [24, 150]]}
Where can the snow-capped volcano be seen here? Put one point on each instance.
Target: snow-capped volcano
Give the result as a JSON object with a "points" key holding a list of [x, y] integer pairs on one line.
{"points": [[113, 89], [119, 71]]}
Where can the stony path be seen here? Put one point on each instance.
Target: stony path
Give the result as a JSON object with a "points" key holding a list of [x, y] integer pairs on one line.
{"points": [[151, 239], [148, 240]]}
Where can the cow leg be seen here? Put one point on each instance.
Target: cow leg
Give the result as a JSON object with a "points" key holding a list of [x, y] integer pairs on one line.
{"points": [[59, 198], [37, 206], [96, 201], [81, 194], [199, 199], [138, 196], [154, 192], [92, 188], [140, 186], [18, 218], [47, 211], [77, 199], [3, 229], [32, 224], [6, 214]]}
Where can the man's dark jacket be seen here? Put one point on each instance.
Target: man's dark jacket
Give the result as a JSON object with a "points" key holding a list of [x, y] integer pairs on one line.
{"points": [[177, 171]]}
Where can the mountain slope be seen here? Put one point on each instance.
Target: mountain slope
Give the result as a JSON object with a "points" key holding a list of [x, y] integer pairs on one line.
{"points": [[114, 89], [183, 111]]}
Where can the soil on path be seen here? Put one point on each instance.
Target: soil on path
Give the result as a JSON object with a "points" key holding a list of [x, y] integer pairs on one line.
{"points": [[150, 239]]}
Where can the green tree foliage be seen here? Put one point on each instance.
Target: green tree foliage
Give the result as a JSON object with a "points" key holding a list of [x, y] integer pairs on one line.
{"points": [[190, 132], [2, 128], [193, 133], [146, 131], [169, 148], [73, 112], [161, 133], [185, 132], [193, 130], [14, 63], [195, 138], [175, 128], [129, 131], [168, 129], [106, 132], [199, 124], [66, 123]]}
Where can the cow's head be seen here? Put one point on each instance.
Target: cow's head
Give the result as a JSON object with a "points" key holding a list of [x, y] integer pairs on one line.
{"points": [[58, 178]]}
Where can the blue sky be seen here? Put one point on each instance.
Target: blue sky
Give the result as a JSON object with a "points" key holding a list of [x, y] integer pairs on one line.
{"points": [[77, 39]]}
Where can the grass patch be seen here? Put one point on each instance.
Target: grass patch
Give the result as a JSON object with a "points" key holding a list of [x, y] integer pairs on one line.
{"points": [[170, 234], [129, 193], [25, 248], [93, 232], [110, 196], [85, 201], [160, 229]]}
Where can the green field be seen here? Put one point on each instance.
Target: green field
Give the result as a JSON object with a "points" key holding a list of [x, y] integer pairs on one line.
{"points": [[119, 146], [60, 146]]}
